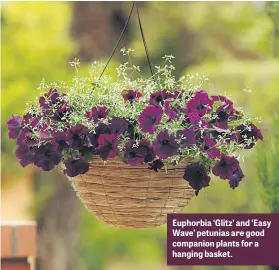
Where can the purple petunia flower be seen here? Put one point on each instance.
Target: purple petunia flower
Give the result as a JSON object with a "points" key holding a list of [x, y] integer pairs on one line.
{"points": [[133, 154], [166, 145], [209, 146], [131, 95], [223, 99], [91, 140], [247, 135], [26, 138], [60, 140], [155, 165], [236, 178], [97, 113], [25, 154], [54, 99], [150, 117], [200, 104], [170, 112], [225, 167], [46, 157], [158, 98], [76, 166], [187, 136], [102, 129], [108, 146], [196, 120], [118, 125], [77, 135], [149, 154], [197, 176], [14, 126]]}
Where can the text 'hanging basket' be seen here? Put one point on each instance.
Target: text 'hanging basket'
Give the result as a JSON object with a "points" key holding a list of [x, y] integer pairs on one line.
{"points": [[132, 196]]}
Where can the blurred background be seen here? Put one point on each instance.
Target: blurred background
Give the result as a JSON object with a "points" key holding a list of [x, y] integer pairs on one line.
{"points": [[234, 44]]}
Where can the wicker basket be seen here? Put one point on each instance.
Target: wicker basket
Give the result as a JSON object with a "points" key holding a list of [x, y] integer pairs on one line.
{"points": [[132, 196]]}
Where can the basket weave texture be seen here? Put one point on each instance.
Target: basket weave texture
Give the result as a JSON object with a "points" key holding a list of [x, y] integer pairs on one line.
{"points": [[132, 196]]}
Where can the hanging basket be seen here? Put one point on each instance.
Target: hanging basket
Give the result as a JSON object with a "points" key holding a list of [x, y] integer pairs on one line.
{"points": [[132, 196]]}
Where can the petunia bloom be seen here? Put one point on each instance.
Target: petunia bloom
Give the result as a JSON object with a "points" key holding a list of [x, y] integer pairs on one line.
{"points": [[222, 99], [236, 178], [133, 154], [54, 103], [14, 126], [46, 157], [150, 117], [187, 136], [97, 113], [108, 146], [118, 125], [26, 137], [209, 146], [60, 140], [225, 167], [166, 145], [247, 135], [131, 95], [170, 112], [155, 165], [149, 154], [76, 136], [197, 176], [158, 98], [76, 166], [196, 120], [25, 154], [200, 104]]}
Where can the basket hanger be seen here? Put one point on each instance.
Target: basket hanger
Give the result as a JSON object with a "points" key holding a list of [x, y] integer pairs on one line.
{"points": [[142, 36]]}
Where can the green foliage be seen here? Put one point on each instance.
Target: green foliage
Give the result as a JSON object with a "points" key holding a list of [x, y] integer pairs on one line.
{"points": [[268, 167]]}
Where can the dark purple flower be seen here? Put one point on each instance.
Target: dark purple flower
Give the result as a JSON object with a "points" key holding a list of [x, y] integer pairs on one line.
{"points": [[44, 133], [102, 129], [51, 98], [247, 135], [26, 137], [158, 98], [149, 154], [196, 120], [91, 139], [183, 110], [187, 136], [166, 145], [46, 157], [155, 165], [236, 178], [225, 167], [131, 95], [133, 154], [200, 104], [76, 136], [209, 146], [14, 126], [223, 99], [150, 117], [25, 154], [197, 176], [97, 113], [108, 146], [224, 112], [60, 140], [76, 166], [118, 125], [170, 112]]}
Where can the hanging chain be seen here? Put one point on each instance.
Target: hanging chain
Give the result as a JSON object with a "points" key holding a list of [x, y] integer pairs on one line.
{"points": [[120, 37]]}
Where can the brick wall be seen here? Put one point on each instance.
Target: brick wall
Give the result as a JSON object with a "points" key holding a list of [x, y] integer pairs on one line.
{"points": [[18, 245]]}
